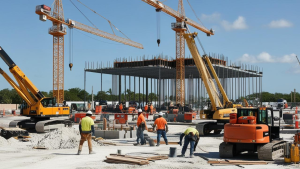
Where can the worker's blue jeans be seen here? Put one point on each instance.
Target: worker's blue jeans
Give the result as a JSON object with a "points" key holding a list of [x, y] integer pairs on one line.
{"points": [[140, 135], [186, 143], [163, 133]]}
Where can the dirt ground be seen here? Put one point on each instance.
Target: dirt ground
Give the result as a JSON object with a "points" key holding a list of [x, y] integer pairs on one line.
{"points": [[15, 154]]}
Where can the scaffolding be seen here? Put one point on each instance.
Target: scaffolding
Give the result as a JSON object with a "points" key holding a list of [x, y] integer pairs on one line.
{"points": [[157, 75]]}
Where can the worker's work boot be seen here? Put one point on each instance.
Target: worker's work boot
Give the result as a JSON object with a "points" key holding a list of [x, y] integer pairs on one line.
{"points": [[167, 143], [92, 152], [79, 152], [157, 145], [192, 156], [182, 155]]}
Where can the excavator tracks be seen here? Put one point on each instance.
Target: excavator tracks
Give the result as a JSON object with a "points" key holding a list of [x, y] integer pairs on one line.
{"points": [[206, 128], [41, 126], [226, 150], [271, 151]]}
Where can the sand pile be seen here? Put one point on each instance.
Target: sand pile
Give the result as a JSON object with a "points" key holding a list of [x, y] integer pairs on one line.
{"points": [[64, 138]]}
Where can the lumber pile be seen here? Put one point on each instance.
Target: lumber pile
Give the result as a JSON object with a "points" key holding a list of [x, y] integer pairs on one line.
{"points": [[235, 162], [132, 159]]}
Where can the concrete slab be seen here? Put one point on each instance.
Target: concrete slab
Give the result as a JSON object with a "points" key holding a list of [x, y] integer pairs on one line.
{"points": [[100, 133], [113, 134]]}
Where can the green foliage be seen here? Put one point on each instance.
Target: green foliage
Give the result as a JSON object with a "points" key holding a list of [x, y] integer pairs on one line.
{"points": [[8, 96]]}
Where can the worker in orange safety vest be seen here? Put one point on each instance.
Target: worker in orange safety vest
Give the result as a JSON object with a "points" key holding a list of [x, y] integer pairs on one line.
{"points": [[162, 128], [141, 124]]}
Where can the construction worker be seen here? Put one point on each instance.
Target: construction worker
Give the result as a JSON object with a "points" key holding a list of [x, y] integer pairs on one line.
{"points": [[146, 108], [121, 107], [191, 136], [141, 123], [162, 128], [86, 129], [151, 108]]}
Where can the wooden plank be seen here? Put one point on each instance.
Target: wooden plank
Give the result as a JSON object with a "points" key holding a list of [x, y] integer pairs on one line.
{"points": [[43, 148], [119, 162], [244, 161], [238, 162], [128, 160], [170, 142]]}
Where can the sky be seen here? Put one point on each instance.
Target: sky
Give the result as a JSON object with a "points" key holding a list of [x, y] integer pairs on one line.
{"points": [[261, 33]]}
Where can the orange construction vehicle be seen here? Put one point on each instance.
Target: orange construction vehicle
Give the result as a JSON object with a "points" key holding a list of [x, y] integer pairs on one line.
{"points": [[252, 130]]}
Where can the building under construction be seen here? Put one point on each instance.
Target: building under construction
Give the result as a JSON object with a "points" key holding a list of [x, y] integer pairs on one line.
{"points": [[157, 75]]}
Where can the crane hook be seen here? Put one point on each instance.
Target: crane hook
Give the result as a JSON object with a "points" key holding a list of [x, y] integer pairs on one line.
{"points": [[158, 42], [71, 65]]}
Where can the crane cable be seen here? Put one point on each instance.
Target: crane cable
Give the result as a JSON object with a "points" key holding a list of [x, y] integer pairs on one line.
{"points": [[111, 24], [158, 11], [71, 40], [195, 12], [83, 14]]}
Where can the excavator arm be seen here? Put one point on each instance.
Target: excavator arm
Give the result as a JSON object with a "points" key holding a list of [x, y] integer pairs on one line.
{"points": [[29, 100], [25, 85]]}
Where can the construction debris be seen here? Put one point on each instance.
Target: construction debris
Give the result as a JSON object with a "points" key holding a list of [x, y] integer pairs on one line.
{"points": [[134, 158]]}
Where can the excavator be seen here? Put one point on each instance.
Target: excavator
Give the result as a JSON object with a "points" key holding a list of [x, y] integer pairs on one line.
{"points": [[252, 130], [219, 110], [36, 106]]}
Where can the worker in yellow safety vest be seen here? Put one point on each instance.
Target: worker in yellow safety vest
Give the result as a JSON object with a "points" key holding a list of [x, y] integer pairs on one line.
{"points": [[86, 128], [191, 136]]}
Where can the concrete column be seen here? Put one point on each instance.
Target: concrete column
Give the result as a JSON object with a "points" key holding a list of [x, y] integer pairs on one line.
{"points": [[159, 98], [140, 92], [125, 89], [84, 88], [129, 88], [146, 90], [120, 88]]}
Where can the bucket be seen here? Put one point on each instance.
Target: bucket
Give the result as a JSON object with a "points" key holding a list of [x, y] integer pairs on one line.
{"points": [[151, 142], [173, 152]]}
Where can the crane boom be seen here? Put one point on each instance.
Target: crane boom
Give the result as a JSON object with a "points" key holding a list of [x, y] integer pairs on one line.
{"points": [[58, 30], [89, 29], [168, 10], [106, 35], [205, 75]]}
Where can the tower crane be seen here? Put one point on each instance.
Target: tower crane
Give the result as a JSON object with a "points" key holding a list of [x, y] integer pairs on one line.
{"points": [[58, 30], [180, 27]]}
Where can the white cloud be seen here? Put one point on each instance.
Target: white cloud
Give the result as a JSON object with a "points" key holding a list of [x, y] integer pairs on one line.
{"points": [[215, 17], [239, 23], [265, 57], [280, 24]]}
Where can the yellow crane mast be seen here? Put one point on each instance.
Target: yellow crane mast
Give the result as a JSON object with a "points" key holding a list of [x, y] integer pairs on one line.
{"points": [[220, 110], [58, 30], [180, 28]]}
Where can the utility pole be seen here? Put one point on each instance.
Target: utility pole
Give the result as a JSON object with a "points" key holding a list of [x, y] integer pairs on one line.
{"points": [[295, 95]]}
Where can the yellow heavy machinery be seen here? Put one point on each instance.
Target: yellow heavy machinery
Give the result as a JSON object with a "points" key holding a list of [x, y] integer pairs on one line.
{"points": [[219, 110], [38, 107]]}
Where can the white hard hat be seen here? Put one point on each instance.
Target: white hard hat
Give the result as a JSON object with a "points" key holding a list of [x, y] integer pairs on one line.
{"points": [[89, 112], [140, 110], [161, 114]]}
